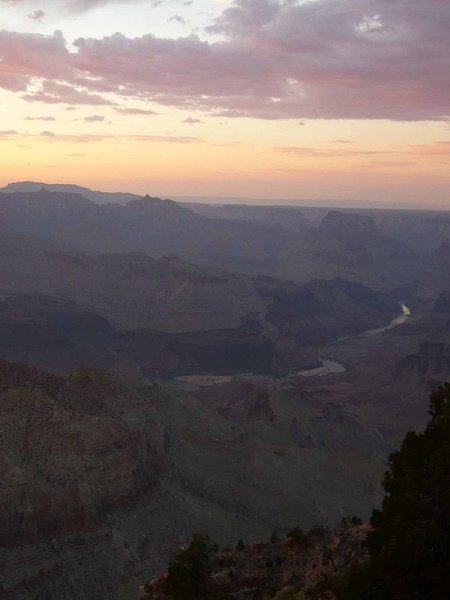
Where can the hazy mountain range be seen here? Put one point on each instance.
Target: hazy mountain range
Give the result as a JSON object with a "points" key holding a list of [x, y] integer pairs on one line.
{"points": [[169, 368]]}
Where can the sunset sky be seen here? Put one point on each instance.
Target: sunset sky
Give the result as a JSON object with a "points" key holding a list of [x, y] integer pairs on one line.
{"points": [[263, 99]]}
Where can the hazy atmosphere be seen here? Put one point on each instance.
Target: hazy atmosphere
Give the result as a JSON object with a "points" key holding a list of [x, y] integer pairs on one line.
{"points": [[261, 99], [224, 299]]}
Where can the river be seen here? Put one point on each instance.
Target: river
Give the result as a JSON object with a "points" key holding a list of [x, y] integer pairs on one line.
{"points": [[329, 366], [406, 313]]}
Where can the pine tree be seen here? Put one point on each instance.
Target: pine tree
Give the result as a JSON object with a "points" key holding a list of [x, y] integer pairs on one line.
{"points": [[409, 545]]}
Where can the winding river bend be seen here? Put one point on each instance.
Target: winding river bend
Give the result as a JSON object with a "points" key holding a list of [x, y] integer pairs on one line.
{"points": [[406, 313], [329, 366]]}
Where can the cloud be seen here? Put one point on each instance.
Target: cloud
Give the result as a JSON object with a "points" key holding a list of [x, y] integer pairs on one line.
{"points": [[394, 164], [40, 119], [80, 6], [94, 119], [58, 93], [135, 111], [273, 59], [8, 133], [37, 15], [283, 59], [177, 19], [24, 57], [71, 5], [83, 138], [166, 139], [441, 148], [327, 153], [85, 5], [191, 121]]}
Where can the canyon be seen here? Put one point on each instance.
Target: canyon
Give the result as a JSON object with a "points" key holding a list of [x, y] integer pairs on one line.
{"points": [[169, 369]]}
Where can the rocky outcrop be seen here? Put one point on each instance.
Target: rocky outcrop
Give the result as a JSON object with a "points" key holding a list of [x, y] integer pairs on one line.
{"points": [[282, 569]]}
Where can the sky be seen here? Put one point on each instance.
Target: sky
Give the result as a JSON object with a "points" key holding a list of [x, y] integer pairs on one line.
{"points": [[289, 99]]}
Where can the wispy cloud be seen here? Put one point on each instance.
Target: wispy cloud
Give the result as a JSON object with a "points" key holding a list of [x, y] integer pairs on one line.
{"points": [[40, 119], [191, 121], [37, 15], [135, 111], [327, 153], [94, 119], [8, 133]]}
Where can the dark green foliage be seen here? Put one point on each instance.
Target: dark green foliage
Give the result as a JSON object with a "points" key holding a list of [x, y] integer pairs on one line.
{"points": [[189, 573], [297, 536], [409, 545], [240, 546]]}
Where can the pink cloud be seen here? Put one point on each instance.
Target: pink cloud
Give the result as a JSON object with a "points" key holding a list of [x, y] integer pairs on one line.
{"points": [[276, 59], [71, 5], [58, 93], [26, 56]]}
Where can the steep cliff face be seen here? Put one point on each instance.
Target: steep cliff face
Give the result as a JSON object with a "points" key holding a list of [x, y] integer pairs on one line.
{"points": [[432, 361], [66, 460]]}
